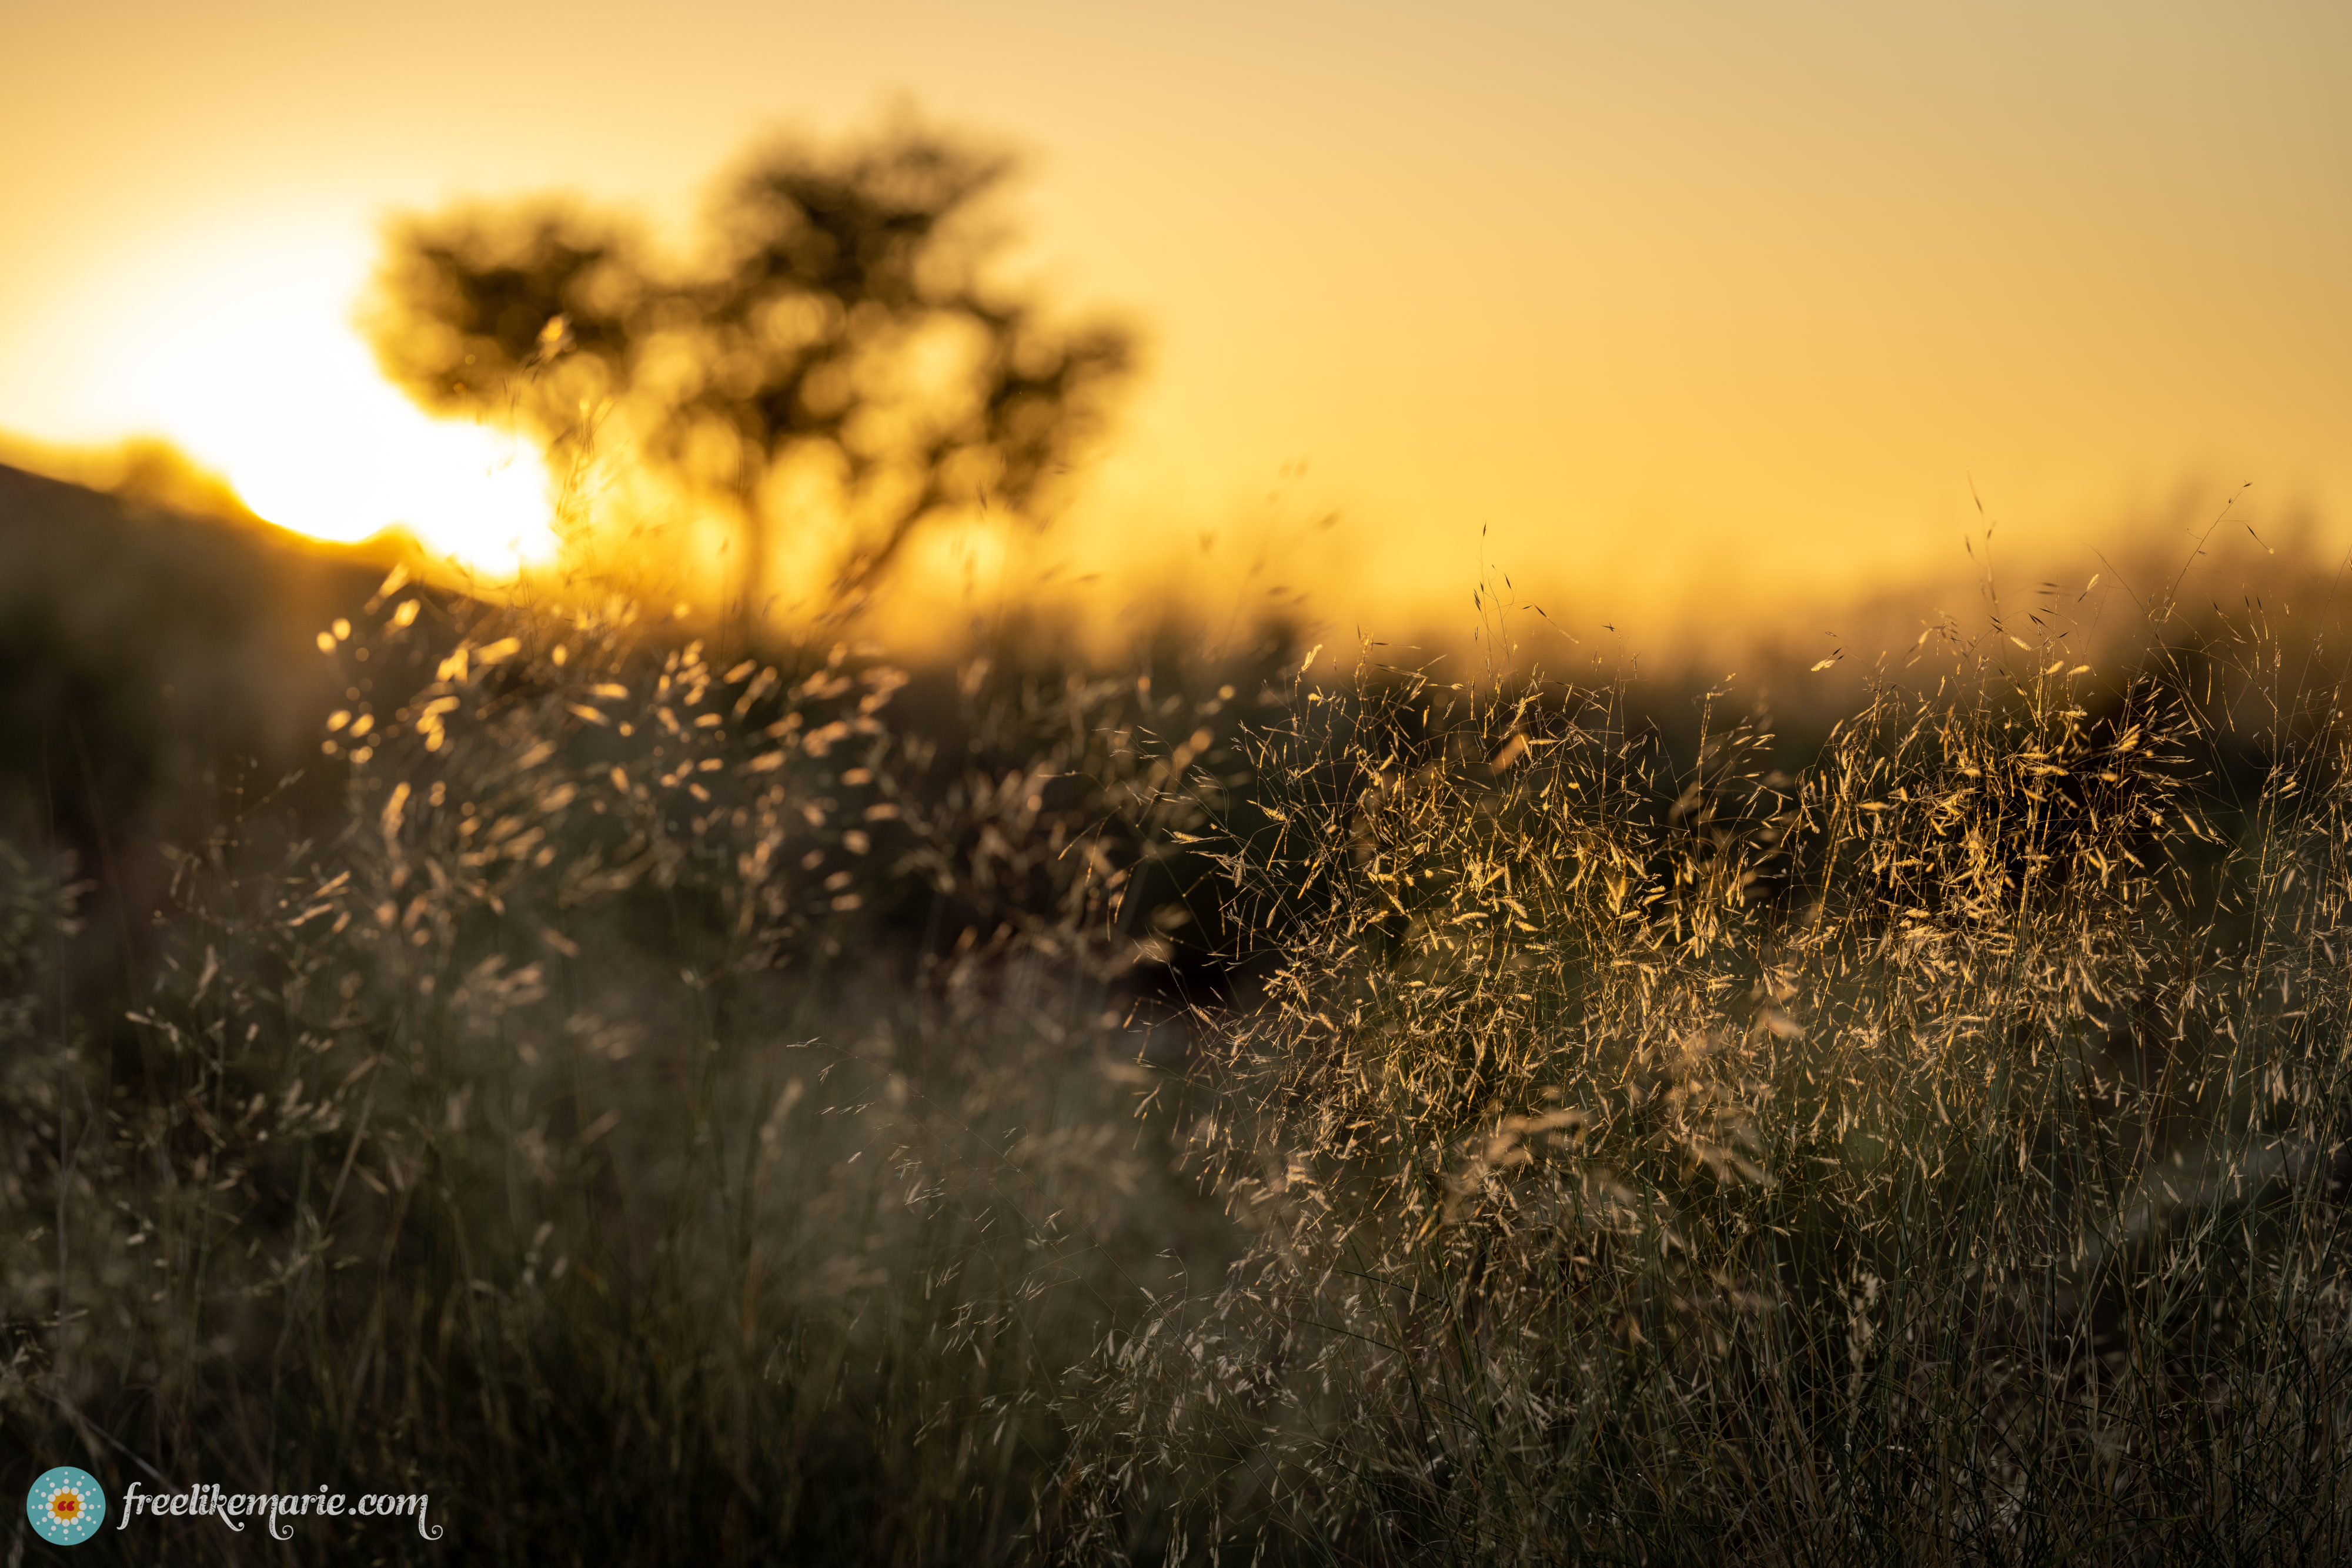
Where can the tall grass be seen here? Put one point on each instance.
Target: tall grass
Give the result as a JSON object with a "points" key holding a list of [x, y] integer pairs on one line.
{"points": [[742, 1110], [579, 1136], [1935, 1157]]}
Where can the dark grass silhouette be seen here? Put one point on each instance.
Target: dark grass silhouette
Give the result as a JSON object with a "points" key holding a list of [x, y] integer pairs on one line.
{"points": [[679, 1107]]}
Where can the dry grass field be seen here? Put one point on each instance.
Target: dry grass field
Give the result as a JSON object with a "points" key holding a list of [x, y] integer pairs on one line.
{"points": [[683, 1106]]}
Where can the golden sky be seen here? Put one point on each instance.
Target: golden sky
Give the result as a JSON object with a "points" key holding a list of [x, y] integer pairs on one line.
{"points": [[1617, 299]]}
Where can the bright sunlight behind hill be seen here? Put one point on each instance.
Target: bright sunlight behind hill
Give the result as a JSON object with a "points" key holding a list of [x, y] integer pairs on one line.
{"points": [[242, 354], [1711, 305]]}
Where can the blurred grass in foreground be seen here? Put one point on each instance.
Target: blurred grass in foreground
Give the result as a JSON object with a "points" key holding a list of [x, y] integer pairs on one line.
{"points": [[678, 1109]]}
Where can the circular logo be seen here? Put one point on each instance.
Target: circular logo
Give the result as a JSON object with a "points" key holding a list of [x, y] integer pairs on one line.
{"points": [[66, 1506]]}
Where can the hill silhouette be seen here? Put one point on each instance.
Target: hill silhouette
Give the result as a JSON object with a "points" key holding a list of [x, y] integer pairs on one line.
{"points": [[159, 675]]}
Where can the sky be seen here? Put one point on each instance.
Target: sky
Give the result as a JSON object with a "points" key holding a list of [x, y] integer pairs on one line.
{"points": [[1701, 303]]}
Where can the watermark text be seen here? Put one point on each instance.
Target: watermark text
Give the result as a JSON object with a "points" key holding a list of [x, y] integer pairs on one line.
{"points": [[276, 1510]]}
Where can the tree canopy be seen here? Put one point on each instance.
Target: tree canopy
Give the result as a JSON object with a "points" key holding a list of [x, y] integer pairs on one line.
{"points": [[832, 357]]}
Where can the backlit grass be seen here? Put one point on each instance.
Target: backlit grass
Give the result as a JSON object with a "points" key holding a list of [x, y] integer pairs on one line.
{"points": [[765, 1109]]}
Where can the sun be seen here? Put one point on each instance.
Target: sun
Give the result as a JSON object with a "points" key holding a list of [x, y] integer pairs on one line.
{"points": [[240, 349], [299, 420]]}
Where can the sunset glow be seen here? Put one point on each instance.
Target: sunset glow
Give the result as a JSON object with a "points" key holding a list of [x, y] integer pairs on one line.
{"points": [[314, 441], [1759, 296], [239, 349]]}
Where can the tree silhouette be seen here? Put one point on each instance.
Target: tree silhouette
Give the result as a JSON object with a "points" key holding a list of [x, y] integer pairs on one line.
{"points": [[837, 325]]}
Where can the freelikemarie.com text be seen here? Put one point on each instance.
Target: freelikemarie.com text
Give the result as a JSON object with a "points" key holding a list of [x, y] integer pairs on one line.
{"points": [[237, 1509]]}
